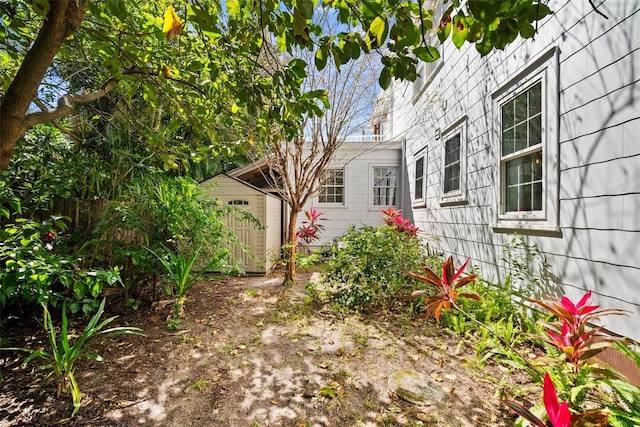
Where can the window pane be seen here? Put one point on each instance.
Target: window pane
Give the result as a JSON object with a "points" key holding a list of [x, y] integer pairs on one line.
{"points": [[520, 137], [537, 196], [419, 178], [511, 204], [521, 108], [452, 150], [523, 173], [508, 142], [384, 186], [452, 178], [508, 116], [535, 99], [524, 183], [525, 198], [332, 187], [535, 130]]}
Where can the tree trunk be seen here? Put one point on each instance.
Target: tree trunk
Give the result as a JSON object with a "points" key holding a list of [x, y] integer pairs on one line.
{"points": [[62, 20], [290, 252]]}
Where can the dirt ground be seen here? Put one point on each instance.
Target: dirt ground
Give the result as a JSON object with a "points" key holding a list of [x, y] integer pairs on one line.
{"points": [[254, 353]]}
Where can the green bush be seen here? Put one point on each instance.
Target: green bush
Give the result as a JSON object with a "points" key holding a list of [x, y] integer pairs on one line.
{"points": [[35, 270], [369, 265], [160, 212]]}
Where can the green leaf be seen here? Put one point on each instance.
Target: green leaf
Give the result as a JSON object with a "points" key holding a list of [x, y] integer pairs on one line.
{"points": [[460, 31], [300, 26], [427, 54], [321, 57], [482, 10], [233, 7], [306, 8], [118, 8], [41, 7], [377, 32], [527, 30], [385, 78]]}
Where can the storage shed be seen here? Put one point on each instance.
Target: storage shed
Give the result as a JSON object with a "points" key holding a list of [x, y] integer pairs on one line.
{"points": [[258, 247]]}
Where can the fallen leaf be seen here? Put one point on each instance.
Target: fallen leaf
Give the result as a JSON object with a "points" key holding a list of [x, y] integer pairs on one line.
{"points": [[451, 377], [273, 402]]}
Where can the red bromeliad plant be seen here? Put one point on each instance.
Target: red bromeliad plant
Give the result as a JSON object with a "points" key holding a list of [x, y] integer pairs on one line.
{"points": [[393, 217], [447, 287]]}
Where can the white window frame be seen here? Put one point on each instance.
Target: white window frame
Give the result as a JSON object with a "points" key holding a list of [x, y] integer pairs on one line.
{"points": [[427, 71], [372, 170], [422, 201], [544, 69], [458, 196], [344, 188]]}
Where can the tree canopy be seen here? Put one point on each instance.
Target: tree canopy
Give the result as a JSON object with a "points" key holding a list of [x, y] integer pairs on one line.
{"points": [[211, 63]]}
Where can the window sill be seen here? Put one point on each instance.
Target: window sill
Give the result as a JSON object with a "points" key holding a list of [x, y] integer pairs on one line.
{"points": [[532, 228], [453, 200]]}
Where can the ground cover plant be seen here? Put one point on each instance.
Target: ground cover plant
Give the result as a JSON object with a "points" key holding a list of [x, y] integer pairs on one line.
{"points": [[572, 344], [249, 352], [60, 360]]}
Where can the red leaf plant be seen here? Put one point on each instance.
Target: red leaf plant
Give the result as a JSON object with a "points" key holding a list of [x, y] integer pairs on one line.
{"points": [[447, 287], [311, 227], [574, 333], [393, 217], [558, 413]]}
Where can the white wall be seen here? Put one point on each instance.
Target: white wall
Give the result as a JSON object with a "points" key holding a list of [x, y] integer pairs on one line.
{"points": [[357, 158], [596, 168]]}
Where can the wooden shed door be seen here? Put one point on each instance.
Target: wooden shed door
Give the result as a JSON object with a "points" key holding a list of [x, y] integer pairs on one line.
{"points": [[246, 232]]}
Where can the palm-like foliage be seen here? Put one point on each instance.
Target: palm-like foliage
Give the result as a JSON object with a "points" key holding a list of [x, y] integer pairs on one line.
{"points": [[179, 271], [446, 287], [62, 357]]}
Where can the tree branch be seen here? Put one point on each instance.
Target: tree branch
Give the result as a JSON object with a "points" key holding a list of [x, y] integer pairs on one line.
{"points": [[66, 105], [55, 123]]}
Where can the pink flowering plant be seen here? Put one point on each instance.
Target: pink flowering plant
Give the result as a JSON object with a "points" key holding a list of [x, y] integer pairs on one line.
{"points": [[557, 412], [572, 342], [393, 217]]}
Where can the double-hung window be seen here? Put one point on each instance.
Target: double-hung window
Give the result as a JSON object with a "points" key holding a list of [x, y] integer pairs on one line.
{"points": [[419, 179], [526, 127], [426, 71], [332, 187], [521, 153], [454, 159], [385, 186]]}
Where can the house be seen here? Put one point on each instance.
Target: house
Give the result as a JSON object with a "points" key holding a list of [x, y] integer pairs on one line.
{"points": [[537, 141], [363, 178], [258, 246], [540, 140]]}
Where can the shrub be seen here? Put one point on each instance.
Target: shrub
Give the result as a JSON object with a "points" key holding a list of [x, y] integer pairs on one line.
{"points": [[368, 265], [160, 212], [35, 271]]}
